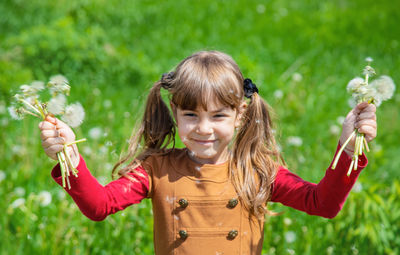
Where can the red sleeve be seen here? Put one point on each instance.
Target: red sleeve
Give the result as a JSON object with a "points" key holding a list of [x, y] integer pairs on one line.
{"points": [[324, 199], [97, 201]]}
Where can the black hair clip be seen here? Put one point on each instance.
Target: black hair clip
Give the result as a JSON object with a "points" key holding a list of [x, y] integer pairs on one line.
{"points": [[166, 80], [249, 88]]}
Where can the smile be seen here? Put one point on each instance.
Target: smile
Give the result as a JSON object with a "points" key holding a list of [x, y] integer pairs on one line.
{"points": [[205, 142]]}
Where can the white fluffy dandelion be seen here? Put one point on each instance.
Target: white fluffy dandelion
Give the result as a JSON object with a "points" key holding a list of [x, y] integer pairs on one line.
{"points": [[59, 84], [384, 87], [355, 84], [56, 105], [74, 115], [44, 198], [15, 113]]}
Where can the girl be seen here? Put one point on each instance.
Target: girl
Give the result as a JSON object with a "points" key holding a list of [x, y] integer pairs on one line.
{"points": [[209, 197]]}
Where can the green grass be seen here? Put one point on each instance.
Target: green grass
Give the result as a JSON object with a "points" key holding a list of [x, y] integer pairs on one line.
{"points": [[114, 50]]}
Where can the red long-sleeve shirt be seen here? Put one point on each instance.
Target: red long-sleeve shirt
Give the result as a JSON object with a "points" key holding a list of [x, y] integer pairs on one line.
{"points": [[324, 199]]}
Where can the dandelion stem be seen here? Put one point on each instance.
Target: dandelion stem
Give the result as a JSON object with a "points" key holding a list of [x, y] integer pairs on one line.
{"points": [[62, 169], [366, 145], [341, 150], [350, 168], [30, 106], [75, 142], [29, 112]]}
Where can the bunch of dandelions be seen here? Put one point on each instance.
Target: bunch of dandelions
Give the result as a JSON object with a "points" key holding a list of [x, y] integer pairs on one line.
{"points": [[379, 90], [28, 102]]}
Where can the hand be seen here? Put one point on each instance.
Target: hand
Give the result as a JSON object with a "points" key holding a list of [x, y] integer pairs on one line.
{"points": [[54, 134], [362, 118]]}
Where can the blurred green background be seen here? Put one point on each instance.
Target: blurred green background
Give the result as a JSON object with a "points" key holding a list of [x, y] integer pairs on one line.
{"points": [[301, 54]]}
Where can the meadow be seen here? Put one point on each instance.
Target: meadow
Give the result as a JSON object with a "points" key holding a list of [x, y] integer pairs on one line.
{"points": [[301, 54]]}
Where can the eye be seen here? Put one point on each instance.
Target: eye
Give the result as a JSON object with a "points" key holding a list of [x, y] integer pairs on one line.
{"points": [[189, 114], [220, 115]]}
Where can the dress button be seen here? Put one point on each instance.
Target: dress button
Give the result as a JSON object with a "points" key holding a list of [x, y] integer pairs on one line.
{"points": [[232, 203], [183, 203], [232, 234], [183, 234]]}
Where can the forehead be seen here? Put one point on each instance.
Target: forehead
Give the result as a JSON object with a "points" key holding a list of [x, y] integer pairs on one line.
{"points": [[212, 105]]}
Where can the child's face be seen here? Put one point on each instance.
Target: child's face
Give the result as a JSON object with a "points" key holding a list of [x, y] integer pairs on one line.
{"points": [[207, 133]]}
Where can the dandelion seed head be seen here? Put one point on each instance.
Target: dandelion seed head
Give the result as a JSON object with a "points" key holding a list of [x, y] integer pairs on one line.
{"points": [[127, 115], [290, 251], [334, 129], [297, 77], [19, 191], [351, 102], [295, 141], [287, 221], [37, 85], [368, 70], [354, 84], [260, 8], [340, 120], [357, 188], [107, 104], [15, 113], [384, 88], [369, 59], [59, 84], [278, 94], [290, 236], [2, 175], [44, 198], [56, 104], [95, 133], [74, 115], [18, 203], [108, 143]]}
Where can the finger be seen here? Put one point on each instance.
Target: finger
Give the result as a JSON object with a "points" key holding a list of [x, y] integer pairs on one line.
{"points": [[46, 125], [366, 115], [365, 122], [51, 119], [360, 107], [54, 149], [368, 131], [48, 134], [53, 141]]}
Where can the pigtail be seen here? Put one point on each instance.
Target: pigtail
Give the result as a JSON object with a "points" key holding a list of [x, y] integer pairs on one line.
{"points": [[156, 131], [254, 157]]}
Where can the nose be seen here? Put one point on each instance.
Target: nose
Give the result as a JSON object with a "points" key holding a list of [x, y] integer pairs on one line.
{"points": [[204, 127]]}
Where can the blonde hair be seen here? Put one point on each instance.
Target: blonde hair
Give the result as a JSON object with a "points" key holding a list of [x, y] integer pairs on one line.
{"points": [[253, 163]]}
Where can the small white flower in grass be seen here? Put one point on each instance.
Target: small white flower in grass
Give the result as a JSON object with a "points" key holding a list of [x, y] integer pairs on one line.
{"points": [[56, 104], [74, 115], [340, 120], [291, 251], [18, 203], [107, 103], [3, 108], [384, 87], [260, 8], [127, 114], [287, 221], [290, 236], [334, 129], [357, 188], [368, 60], [278, 94], [2, 175], [297, 77], [19, 191], [44, 198], [295, 141], [95, 133]]}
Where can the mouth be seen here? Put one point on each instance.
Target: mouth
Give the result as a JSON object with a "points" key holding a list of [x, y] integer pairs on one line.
{"points": [[205, 142]]}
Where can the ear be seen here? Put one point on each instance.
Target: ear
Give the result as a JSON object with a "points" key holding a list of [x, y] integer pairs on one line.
{"points": [[242, 109]]}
